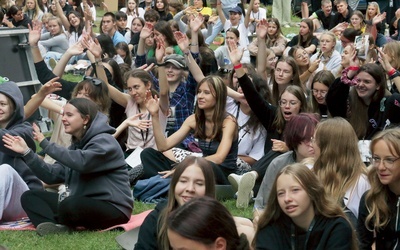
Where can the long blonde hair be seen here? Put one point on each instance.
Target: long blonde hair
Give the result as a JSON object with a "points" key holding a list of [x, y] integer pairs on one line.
{"points": [[339, 165], [377, 197]]}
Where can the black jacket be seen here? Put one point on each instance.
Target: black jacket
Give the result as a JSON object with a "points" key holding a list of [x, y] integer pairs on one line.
{"points": [[386, 238], [147, 238], [327, 233]]}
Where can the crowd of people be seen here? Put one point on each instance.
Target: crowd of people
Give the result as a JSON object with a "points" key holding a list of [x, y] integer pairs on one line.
{"points": [[307, 127]]}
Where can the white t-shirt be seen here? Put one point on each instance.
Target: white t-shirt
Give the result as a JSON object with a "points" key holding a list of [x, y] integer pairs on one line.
{"points": [[243, 31], [251, 143]]}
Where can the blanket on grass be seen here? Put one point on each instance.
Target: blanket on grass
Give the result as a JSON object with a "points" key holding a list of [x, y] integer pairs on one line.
{"points": [[25, 224]]}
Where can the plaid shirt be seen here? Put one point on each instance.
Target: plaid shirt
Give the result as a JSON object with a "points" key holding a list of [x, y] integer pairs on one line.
{"points": [[182, 99]]}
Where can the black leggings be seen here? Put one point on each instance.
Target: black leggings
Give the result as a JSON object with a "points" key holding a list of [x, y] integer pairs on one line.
{"points": [[73, 211], [154, 161]]}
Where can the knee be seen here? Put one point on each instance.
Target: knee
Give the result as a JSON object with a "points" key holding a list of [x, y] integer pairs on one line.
{"points": [[7, 174]]}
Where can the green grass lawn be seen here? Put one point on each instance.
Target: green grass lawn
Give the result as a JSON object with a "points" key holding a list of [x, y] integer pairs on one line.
{"points": [[96, 240], [29, 240]]}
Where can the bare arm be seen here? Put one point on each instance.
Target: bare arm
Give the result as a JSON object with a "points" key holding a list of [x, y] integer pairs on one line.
{"points": [[261, 32], [33, 104], [183, 43], [221, 13], [146, 32], [163, 143], [162, 77], [247, 15], [74, 50], [229, 132], [94, 53], [60, 14]]}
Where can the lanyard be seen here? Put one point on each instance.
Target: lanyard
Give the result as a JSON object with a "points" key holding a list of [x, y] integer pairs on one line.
{"points": [[293, 235], [243, 126], [144, 139]]}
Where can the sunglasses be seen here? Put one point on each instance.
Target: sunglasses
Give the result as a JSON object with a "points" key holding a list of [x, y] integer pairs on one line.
{"points": [[95, 81]]}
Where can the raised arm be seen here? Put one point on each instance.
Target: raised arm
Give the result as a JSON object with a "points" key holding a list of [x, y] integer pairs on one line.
{"points": [[73, 50], [94, 53], [221, 13], [247, 15], [261, 31], [147, 31], [389, 69], [33, 104], [264, 111], [183, 42], [60, 14], [162, 76], [163, 144]]}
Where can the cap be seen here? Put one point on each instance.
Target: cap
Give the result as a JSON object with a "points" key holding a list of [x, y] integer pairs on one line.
{"points": [[236, 9], [177, 60]]}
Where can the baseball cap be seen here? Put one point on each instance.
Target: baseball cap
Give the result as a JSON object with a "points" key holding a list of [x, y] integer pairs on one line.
{"points": [[175, 59], [236, 9]]}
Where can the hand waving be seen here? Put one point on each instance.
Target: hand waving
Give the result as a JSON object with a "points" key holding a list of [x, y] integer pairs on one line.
{"points": [[34, 32], [147, 30], [15, 143], [182, 40], [235, 53], [196, 22], [262, 29]]}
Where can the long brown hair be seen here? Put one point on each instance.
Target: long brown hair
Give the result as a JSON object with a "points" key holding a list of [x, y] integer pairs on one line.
{"points": [[339, 165], [204, 165], [219, 91], [359, 110]]}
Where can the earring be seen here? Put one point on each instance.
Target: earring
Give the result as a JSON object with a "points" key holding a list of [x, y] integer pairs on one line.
{"points": [[84, 126]]}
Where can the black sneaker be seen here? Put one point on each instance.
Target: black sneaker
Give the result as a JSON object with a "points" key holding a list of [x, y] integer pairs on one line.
{"points": [[46, 228], [135, 173]]}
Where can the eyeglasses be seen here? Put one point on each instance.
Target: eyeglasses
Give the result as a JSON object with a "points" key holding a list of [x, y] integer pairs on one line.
{"points": [[321, 92], [387, 162], [95, 81], [283, 103], [272, 59]]}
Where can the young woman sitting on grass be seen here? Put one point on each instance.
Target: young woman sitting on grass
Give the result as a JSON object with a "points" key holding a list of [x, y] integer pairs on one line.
{"points": [[300, 215], [93, 170]]}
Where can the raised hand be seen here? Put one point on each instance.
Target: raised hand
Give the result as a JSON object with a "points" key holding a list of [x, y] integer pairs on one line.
{"points": [[37, 134], [93, 46], [35, 32], [354, 61], [87, 12], [147, 30], [378, 18], [15, 143], [196, 22], [50, 87], [279, 146], [167, 173], [146, 67], [235, 53], [182, 40], [76, 49], [384, 60], [152, 104], [160, 50], [262, 29]]}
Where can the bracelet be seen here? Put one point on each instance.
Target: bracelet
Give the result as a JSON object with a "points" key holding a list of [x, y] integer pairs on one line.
{"points": [[26, 152], [309, 71], [160, 64], [394, 75], [237, 66], [193, 44], [354, 68], [97, 61], [391, 72]]}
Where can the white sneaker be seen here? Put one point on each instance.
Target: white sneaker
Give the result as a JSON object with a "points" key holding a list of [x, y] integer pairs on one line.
{"points": [[234, 179], [246, 185]]}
